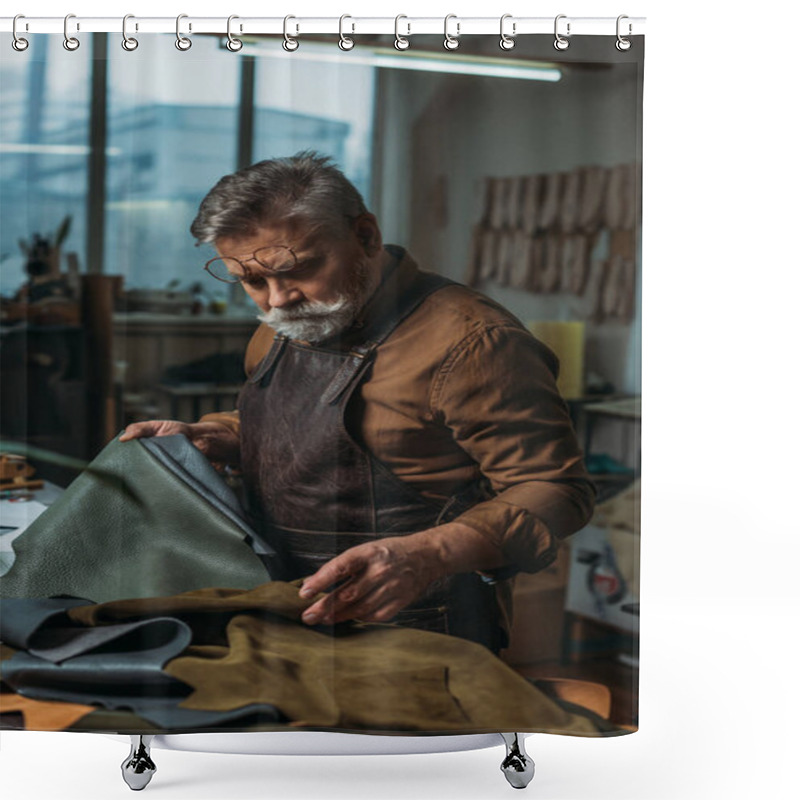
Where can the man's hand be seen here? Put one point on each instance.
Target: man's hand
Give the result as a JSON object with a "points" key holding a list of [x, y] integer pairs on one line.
{"points": [[215, 440], [380, 578]]}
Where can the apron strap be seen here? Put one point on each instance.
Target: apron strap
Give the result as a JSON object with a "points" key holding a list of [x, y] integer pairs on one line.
{"points": [[351, 370], [263, 371], [360, 356], [424, 285]]}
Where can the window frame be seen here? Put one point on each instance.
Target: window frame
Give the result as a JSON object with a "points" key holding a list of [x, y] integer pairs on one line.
{"points": [[98, 142]]}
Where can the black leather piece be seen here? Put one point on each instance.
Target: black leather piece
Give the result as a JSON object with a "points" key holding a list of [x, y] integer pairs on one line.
{"points": [[121, 662], [168, 716], [153, 697], [21, 619], [113, 666], [57, 644], [117, 666]]}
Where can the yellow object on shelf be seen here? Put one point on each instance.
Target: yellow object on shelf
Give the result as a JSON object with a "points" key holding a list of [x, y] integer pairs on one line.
{"points": [[566, 340]]}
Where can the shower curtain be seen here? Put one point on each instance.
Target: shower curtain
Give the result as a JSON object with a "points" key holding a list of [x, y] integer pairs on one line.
{"points": [[461, 452]]}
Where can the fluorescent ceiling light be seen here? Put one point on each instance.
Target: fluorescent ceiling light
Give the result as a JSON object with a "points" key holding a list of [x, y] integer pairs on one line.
{"points": [[386, 58], [54, 149], [468, 65], [160, 204]]}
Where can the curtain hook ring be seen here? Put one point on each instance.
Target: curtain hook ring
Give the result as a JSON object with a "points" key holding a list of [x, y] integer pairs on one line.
{"points": [[70, 42], [507, 42], [290, 44], [128, 42], [345, 42], [622, 44], [451, 42], [182, 42], [233, 44], [18, 43], [401, 42], [561, 43]]}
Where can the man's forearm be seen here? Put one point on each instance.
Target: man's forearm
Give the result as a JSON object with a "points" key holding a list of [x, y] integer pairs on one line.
{"points": [[527, 522], [457, 548]]}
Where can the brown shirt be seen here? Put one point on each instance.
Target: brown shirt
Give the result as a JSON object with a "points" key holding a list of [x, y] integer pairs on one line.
{"points": [[459, 390]]}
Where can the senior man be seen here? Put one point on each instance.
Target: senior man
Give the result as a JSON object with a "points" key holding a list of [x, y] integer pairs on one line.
{"points": [[401, 437]]}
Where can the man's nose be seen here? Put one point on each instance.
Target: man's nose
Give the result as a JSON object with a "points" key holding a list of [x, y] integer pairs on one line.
{"points": [[279, 294]]}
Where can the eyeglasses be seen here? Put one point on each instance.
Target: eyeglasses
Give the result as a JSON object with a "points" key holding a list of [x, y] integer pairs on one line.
{"points": [[231, 270]]}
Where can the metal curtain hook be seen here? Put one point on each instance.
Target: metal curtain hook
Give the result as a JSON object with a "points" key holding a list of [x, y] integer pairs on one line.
{"points": [[234, 45], [622, 43], [128, 42], [507, 42], [70, 42], [290, 44], [451, 42], [181, 42], [19, 44], [560, 42], [400, 42], [345, 42]]}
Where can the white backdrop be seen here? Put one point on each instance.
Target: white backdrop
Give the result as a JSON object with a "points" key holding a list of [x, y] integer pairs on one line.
{"points": [[720, 603]]}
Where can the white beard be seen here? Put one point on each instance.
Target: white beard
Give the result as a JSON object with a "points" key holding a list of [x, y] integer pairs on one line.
{"points": [[312, 321]]}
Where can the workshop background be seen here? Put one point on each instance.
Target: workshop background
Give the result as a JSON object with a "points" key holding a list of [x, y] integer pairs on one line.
{"points": [[526, 187]]}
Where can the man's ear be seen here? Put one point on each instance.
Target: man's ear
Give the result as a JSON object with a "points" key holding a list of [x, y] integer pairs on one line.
{"points": [[369, 234]]}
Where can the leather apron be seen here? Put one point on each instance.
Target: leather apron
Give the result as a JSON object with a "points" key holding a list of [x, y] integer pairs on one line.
{"points": [[314, 491]]}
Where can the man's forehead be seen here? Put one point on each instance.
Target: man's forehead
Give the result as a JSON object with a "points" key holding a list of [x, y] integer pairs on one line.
{"points": [[292, 235]]}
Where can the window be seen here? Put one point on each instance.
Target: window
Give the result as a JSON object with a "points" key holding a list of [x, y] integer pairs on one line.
{"points": [[172, 134], [302, 103], [44, 150]]}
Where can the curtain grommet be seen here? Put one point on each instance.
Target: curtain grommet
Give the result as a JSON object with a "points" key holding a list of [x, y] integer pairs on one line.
{"points": [[451, 42], [128, 42], [183, 43], [233, 44], [401, 42], [345, 42], [71, 43], [622, 44], [507, 41], [561, 43], [290, 43], [18, 43]]}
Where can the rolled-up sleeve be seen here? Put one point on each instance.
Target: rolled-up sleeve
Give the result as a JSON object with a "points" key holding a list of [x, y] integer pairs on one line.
{"points": [[497, 394], [256, 350], [230, 419]]}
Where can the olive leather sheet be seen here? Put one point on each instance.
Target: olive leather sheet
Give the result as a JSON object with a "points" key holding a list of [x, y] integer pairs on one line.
{"points": [[250, 655]]}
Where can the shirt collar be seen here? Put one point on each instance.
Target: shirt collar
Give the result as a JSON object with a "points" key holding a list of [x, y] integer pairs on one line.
{"points": [[397, 277]]}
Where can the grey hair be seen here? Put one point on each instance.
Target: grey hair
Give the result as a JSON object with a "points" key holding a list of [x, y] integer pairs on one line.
{"points": [[306, 186]]}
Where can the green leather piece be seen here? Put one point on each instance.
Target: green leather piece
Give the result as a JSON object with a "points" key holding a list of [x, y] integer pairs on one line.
{"points": [[143, 533]]}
